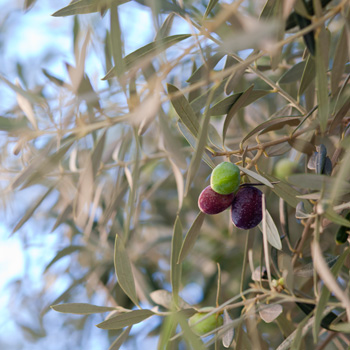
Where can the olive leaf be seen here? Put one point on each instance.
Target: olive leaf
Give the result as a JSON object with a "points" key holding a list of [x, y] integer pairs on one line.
{"points": [[293, 74], [322, 89], [125, 319], [191, 237], [148, 50], [204, 70], [79, 7], [81, 308], [272, 124], [123, 270], [256, 176], [164, 298], [273, 236], [227, 339], [64, 252], [184, 110], [270, 312], [224, 106], [341, 56], [325, 294], [308, 75], [121, 339], [234, 108], [175, 270]]}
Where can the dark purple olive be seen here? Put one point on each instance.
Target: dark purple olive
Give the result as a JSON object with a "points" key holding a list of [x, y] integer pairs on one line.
{"points": [[210, 202], [246, 209]]}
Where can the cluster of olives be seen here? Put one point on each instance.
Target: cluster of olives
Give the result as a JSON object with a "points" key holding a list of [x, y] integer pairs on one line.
{"points": [[225, 190]]}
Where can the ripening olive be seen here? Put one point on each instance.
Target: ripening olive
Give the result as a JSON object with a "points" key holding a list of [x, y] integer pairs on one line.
{"points": [[225, 178], [284, 167], [210, 202], [207, 325], [246, 209]]}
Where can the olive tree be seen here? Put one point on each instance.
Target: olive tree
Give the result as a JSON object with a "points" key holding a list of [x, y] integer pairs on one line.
{"points": [[259, 86]]}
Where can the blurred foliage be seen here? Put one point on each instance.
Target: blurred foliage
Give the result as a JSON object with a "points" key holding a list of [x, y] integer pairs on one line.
{"points": [[120, 168]]}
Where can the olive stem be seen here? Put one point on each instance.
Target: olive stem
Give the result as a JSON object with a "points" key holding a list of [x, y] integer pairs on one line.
{"points": [[301, 242]]}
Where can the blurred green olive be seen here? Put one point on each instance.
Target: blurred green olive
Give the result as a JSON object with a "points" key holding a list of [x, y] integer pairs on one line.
{"points": [[207, 325], [284, 167]]}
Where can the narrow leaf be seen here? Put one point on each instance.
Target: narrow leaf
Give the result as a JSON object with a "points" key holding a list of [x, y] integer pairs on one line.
{"points": [[210, 6], [272, 124], [338, 118], [297, 336], [116, 41], [234, 109], [29, 213], [302, 146], [192, 141], [164, 30], [168, 329], [179, 183], [126, 319], [308, 75], [13, 125], [278, 150], [325, 294], [175, 272], [293, 74], [191, 237], [327, 277], [29, 3], [199, 151], [123, 270], [215, 91], [340, 59], [64, 252], [184, 110], [318, 182], [97, 154], [341, 327], [30, 96], [149, 50], [287, 192], [81, 308], [121, 339], [80, 7], [331, 215], [203, 71], [322, 90], [37, 169], [256, 176], [224, 106], [26, 107], [234, 79], [191, 338], [273, 236]]}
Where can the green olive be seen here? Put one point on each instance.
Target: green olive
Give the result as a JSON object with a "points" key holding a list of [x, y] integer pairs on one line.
{"points": [[225, 178], [207, 325], [284, 167]]}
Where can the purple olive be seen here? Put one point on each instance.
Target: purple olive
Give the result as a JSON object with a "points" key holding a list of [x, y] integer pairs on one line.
{"points": [[210, 202], [246, 209]]}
